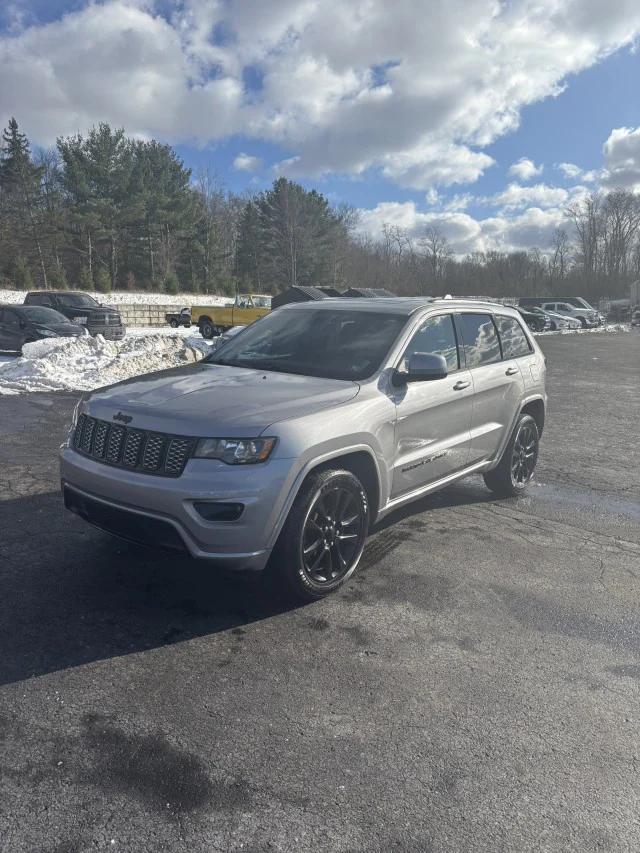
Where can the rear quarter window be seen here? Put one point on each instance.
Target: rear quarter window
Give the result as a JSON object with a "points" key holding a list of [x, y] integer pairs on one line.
{"points": [[512, 337]]}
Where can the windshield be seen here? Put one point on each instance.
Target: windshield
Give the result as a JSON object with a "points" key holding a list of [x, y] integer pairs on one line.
{"points": [[35, 314], [312, 342], [261, 301], [77, 300]]}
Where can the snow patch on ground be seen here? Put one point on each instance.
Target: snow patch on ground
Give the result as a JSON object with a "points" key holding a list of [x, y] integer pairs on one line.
{"points": [[127, 297], [81, 364], [597, 330]]}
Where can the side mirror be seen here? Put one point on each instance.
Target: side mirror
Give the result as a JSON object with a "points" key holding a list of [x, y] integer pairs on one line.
{"points": [[423, 367]]}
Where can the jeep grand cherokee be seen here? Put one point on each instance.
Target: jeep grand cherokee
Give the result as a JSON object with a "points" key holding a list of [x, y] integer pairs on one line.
{"points": [[284, 445]]}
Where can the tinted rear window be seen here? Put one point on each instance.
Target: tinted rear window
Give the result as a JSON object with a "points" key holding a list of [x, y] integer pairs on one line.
{"points": [[514, 341], [481, 345]]}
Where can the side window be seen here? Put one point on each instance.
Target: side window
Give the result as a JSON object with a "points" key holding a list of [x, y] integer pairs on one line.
{"points": [[39, 299], [514, 341], [481, 344], [11, 319], [436, 335]]}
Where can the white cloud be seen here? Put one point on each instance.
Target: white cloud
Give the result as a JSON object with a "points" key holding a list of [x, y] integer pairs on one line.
{"points": [[524, 169], [343, 85], [540, 195], [531, 227], [247, 163], [622, 159], [575, 173]]}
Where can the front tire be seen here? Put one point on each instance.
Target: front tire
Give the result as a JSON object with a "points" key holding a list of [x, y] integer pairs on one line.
{"points": [[516, 467], [323, 537]]}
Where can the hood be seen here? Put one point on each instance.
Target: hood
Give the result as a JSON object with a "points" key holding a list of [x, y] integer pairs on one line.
{"points": [[215, 400], [65, 330]]}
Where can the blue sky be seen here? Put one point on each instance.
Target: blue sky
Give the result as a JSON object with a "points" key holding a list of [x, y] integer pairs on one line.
{"points": [[414, 119]]}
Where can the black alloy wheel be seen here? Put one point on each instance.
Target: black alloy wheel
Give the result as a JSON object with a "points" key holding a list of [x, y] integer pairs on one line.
{"points": [[331, 534], [525, 454], [517, 464], [322, 540]]}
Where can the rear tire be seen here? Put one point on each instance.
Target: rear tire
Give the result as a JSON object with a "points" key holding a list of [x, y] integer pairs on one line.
{"points": [[207, 329], [517, 465], [324, 535], [174, 324]]}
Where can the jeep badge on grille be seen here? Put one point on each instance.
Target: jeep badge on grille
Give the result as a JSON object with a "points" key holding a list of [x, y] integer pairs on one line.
{"points": [[121, 417]]}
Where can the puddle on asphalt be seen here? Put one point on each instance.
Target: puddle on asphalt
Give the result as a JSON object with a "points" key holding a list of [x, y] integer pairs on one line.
{"points": [[596, 502]]}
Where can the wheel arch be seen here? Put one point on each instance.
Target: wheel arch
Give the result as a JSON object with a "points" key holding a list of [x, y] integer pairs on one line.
{"points": [[536, 409], [363, 466], [359, 459]]}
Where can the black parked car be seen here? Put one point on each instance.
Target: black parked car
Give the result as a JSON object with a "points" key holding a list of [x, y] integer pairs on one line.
{"points": [[536, 322], [21, 324], [82, 309]]}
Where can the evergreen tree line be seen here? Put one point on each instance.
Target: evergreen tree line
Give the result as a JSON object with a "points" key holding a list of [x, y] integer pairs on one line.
{"points": [[105, 211]]}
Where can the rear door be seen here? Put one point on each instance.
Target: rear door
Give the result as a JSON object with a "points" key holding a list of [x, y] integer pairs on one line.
{"points": [[517, 347], [433, 418], [498, 386]]}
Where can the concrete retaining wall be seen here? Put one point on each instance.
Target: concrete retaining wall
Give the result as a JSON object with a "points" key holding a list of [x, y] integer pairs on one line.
{"points": [[145, 315]]}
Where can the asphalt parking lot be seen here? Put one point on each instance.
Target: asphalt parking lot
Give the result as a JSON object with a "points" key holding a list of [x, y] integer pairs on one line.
{"points": [[475, 687]]}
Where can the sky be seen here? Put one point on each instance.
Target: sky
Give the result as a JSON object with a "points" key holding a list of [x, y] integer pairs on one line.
{"points": [[483, 118]]}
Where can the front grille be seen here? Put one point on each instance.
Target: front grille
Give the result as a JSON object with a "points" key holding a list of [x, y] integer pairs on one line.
{"points": [[134, 449], [105, 320]]}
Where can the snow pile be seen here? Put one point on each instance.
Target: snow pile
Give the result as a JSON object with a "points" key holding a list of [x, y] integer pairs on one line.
{"points": [[597, 330], [126, 297], [81, 364]]}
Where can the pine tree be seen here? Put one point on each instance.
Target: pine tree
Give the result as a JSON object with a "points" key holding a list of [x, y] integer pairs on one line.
{"points": [[58, 278], [21, 275], [171, 284], [21, 194], [85, 280], [103, 280]]}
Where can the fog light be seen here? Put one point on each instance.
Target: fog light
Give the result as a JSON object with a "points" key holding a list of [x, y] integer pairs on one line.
{"points": [[216, 511]]}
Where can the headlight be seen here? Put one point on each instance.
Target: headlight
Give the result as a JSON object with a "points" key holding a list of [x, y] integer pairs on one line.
{"points": [[235, 451], [47, 333], [81, 321]]}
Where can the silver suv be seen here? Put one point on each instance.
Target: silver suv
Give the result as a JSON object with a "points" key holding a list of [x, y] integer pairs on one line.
{"points": [[287, 443]]}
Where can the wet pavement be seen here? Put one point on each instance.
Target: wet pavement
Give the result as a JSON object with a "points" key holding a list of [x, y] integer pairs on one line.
{"points": [[475, 687]]}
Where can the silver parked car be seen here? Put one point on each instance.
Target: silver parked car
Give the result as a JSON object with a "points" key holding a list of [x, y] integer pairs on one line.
{"points": [[286, 444]]}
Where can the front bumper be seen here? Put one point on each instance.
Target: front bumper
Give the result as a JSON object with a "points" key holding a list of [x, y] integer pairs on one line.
{"points": [[160, 510], [109, 333]]}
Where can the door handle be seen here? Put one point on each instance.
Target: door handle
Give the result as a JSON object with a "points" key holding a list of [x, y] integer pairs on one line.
{"points": [[510, 371], [460, 384]]}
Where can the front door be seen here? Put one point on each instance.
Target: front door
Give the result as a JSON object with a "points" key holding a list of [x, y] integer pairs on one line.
{"points": [[433, 418], [11, 334], [497, 384]]}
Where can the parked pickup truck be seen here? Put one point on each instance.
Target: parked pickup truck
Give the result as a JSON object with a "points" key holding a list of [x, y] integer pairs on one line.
{"points": [[216, 319], [179, 318], [81, 309]]}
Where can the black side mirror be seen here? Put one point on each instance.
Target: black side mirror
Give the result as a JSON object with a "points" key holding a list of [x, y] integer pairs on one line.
{"points": [[423, 367]]}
